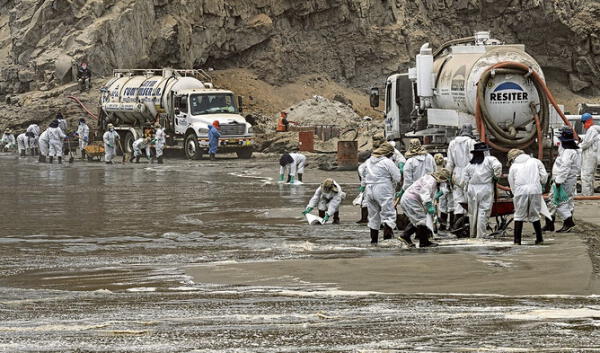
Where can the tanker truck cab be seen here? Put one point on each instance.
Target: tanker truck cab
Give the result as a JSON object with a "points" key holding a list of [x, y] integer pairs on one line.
{"points": [[196, 109]]}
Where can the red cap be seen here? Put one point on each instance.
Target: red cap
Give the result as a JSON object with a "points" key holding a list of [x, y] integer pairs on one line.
{"points": [[216, 124]]}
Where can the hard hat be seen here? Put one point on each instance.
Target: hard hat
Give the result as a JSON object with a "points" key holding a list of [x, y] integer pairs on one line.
{"points": [[157, 125], [585, 117]]}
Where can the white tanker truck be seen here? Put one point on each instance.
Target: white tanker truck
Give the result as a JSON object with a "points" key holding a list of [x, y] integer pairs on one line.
{"points": [[477, 80], [183, 101]]}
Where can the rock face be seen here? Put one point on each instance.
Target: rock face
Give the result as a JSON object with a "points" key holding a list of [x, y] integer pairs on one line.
{"points": [[357, 42]]}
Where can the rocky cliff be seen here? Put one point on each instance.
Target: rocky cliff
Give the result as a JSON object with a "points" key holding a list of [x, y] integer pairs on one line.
{"points": [[355, 42]]}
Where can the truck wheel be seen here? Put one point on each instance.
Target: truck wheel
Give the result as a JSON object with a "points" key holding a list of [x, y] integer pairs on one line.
{"points": [[246, 153], [128, 142], [192, 147]]}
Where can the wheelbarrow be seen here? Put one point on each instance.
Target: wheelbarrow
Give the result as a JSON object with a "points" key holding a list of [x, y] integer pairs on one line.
{"points": [[95, 150], [502, 210]]}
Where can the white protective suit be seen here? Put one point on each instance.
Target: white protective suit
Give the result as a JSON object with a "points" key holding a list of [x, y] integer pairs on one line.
{"points": [[62, 124], [590, 150], [414, 199], [139, 145], [56, 137], [110, 145], [526, 176], [459, 156], [296, 167], [327, 201], [8, 141], [44, 142], [361, 171], [478, 179], [564, 172], [22, 142], [35, 129], [83, 133], [159, 144], [380, 177], [416, 167]]}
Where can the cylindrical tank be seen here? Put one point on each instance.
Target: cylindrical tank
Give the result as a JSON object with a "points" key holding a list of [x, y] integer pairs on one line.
{"points": [[138, 98], [508, 96]]}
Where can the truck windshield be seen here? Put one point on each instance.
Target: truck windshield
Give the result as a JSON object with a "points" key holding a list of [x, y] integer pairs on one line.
{"points": [[212, 104]]}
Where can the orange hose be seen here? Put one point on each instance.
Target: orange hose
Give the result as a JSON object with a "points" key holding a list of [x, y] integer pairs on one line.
{"points": [[83, 107], [582, 198]]}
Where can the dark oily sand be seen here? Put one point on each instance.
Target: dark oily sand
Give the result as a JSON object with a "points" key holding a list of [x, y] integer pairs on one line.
{"points": [[562, 268]]}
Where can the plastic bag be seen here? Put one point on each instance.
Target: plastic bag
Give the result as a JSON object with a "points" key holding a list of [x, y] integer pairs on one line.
{"points": [[358, 200], [314, 220], [559, 195]]}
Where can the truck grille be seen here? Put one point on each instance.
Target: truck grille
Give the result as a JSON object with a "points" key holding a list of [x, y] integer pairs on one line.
{"points": [[233, 129]]}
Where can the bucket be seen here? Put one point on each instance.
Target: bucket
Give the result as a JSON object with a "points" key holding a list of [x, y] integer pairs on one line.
{"points": [[306, 141], [347, 155]]}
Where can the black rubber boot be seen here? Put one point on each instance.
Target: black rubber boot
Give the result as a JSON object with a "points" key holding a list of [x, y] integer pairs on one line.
{"points": [[568, 224], [137, 159], [41, 159], [132, 159], [408, 231], [539, 239], [443, 221], [549, 226], [451, 220], [50, 159], [374, 236], [289, 178], [336, 218], [212, 156], [388, 232], [423, 235], [22, 153], [364, 215], [160, 160], [59, 160], [518, 232], [300, 177]]}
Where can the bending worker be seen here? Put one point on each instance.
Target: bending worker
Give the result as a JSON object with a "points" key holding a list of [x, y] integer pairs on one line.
{"points": [[417, 203], [379, 180], [526, 176], [564, 173], [293, 163], [22, 144], [8, 141], [419, 163], [590, 155], [143, 143], [479, 178], [34, 133], [327, 198], [110, 138], [44, 143]]}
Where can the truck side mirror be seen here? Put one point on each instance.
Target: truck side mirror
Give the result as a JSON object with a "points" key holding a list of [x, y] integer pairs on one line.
{"points": [[374, 98], [240, 104]]}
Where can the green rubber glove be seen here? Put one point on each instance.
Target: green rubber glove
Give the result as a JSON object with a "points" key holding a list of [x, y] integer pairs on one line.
{"points": [[401, 166], [430, 208], [326, 218], [292, 180], [281, 176], [399, 194], [361, 189], [439, 194], [109, 145], [307, 211]]}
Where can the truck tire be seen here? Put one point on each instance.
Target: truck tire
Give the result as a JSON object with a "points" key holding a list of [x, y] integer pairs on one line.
{"points": [[192, 147], [246, 153], [128, 142]]}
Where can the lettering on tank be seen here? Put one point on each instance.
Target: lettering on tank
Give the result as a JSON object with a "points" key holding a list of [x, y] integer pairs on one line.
{"points": [[458, 85], [508, 93]]}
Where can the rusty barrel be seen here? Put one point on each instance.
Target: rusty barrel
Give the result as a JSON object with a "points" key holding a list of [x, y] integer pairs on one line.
{"points": [[347, 155], [306, 141]]}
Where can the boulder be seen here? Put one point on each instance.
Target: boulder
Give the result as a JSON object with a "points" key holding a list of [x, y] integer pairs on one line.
{"points": [[63, 69], [576, 85]]}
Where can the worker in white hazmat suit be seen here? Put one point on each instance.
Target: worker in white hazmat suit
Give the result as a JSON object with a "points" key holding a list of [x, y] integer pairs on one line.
{"points": [[364, 211], [417, 203], [83, 134], [139, 145], [159, 142], [8, 141], [327, 198], [293, 164], [459, 155], [445, 202], [110, 138], [379, 179], [44, 143], [22, 144], [526, 176], [398, 157], [34, 130], [480, 178], [62, 122], [564, 177], [590, 154], [419, 163], [56, 141]]}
